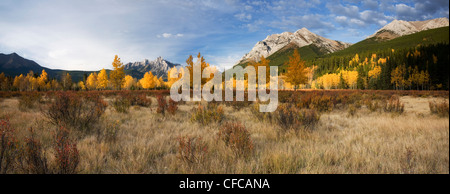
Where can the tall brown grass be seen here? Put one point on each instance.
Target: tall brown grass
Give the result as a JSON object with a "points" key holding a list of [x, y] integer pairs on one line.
{"points": [[141, 142]]}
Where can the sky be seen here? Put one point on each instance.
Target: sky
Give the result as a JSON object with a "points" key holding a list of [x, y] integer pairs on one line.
{"points": [[86, 34]]}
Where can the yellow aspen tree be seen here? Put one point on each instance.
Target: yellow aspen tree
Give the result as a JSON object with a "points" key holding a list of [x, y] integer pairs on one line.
{"points": [[335, 80], [18, 82], [190, 66], [296, 72], [129, 82], [67, 81], [147, 81], [55, 85], [91, 81], [81, 85], [117, 75], [161, 82], [42, 80], [263, 62], [350, 78], [156, 82], [170, 79], [397, 77], [102, 79], [375, 72]]}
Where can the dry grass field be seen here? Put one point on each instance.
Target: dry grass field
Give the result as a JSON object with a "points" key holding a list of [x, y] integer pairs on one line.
{"points": [[145, 141]]}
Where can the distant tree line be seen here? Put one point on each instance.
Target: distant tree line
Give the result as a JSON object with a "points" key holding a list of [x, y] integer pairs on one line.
{"points": [[419, 68]]}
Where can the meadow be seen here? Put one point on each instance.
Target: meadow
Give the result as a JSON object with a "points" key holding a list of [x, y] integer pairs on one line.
{"points": [[312, 131]]}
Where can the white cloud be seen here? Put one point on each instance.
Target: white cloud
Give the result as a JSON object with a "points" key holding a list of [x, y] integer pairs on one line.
{"points": [[169, 35], [243, 16]]}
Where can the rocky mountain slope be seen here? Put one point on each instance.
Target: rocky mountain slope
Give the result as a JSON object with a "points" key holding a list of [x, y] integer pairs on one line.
{"points": [[301, 38], [158, 67], [399, 28]]}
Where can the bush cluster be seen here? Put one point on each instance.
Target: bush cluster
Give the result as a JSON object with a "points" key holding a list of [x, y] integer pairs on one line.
{"points": [[29, 101], [394, 105], [237, 137], [289, 117], [28, 156], [76, 111], [210, 114], [121, 104], [440, 109], [192, 150]]}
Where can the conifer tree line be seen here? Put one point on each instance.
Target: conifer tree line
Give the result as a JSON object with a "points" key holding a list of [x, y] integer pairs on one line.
{"points": [[419, 68]]}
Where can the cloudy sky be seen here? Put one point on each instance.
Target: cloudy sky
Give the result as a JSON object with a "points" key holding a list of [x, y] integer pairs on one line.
{"points": [[85, 35]]}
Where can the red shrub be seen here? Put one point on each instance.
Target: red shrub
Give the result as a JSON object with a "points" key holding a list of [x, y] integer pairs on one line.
{"points": [[192, 150], [162, 104], [236, 136], [172, 107], [74, 110], [8, 146], [67, 156], [33, 156]]}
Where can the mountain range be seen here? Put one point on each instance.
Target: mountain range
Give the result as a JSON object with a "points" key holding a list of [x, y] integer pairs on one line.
{"points": [[13, 65], [399, 28], [311, 45], [277, 48], [300, 38], [158, 67]]}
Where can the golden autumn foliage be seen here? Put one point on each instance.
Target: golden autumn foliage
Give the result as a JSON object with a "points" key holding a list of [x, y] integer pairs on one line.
{"points": [[81, 85], [173, 79], [190, 65], [102, 79], [91, 81], [117, 75], [263, 62], [148, 82], [42, 80], [129, 82], [296, 71], [375, 72], [350, 78], [397, 76], [328, 81], [354, 61]]}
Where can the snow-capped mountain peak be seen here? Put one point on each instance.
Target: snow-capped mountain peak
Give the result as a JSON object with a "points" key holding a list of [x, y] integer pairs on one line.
{"points": [[399, 28], [158, 67], [302, 37]]}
